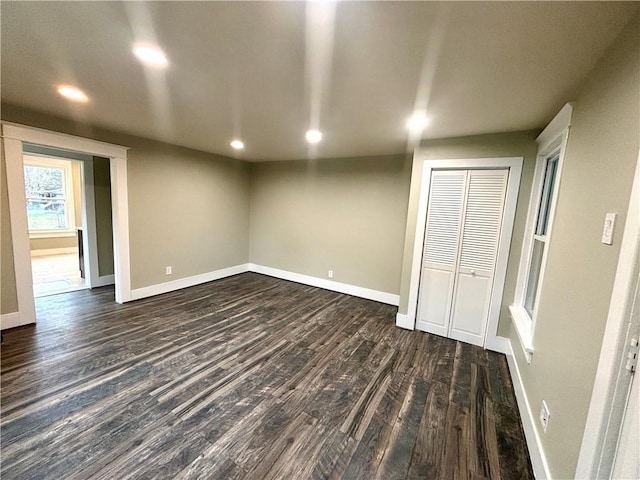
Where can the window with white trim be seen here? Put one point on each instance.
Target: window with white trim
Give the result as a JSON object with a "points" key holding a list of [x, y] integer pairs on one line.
{"points": [[544, 192], [540, 234], [48, 186]]}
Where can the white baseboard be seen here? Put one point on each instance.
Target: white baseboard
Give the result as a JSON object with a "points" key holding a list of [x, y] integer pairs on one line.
{"points": [[144, 292], [9, 320], [104, 280], [53, 251], [383, 297], [376, 295], [403, 321], [536, 452], [499, 344]]}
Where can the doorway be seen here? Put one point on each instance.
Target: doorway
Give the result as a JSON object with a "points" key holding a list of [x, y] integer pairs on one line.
{"points": [[434, 290], [15, 137], [611, 440], [68, 198], [53, 190]]}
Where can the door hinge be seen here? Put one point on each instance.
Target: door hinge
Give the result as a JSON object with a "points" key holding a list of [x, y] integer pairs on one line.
{"points": [[632, 356]]}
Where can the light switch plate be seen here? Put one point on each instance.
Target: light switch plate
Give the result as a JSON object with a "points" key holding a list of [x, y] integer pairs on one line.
{"points": [[609, 224]]}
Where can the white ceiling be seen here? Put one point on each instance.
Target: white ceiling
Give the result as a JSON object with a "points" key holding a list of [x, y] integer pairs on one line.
{"points": [[237, 69]]}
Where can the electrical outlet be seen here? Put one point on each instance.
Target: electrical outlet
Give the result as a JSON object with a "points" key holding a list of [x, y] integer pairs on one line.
{"points": [[168, 270], [330, 274], [544, 416]]}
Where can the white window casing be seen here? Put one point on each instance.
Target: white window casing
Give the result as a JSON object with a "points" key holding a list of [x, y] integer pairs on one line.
{"points": [[552, 144]]}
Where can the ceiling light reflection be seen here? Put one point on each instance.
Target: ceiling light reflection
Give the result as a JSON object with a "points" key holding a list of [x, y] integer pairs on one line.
{"points": [[72, 93], [152, 56], [313, 136]]}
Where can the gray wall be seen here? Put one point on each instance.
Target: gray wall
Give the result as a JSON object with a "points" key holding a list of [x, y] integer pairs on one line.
{"points": [[104, 220], [8, 294], [597, 175], [187, 209], [516, 144], [347, 215]]}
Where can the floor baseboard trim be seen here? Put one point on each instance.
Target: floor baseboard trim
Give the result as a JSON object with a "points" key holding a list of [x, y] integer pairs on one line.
{"points": [[499, 344], [45, 252], [376, 295], [9, 320], [403, 321], [144, 292], [536, 452]]}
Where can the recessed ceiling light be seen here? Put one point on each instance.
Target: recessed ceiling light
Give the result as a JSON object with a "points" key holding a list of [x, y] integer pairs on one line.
{"points": [[417, 122], [237, 144], [72, 93], [149, 55], [313, 136]]}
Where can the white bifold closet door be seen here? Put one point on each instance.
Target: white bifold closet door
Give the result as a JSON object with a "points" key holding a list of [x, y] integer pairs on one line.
{"points": [[462, 233]]}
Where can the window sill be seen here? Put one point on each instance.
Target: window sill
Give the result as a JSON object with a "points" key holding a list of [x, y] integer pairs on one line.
{"points": [[523, 326], [53, 234]]}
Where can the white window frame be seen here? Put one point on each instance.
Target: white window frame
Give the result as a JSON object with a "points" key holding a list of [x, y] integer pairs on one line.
{"points": [[552, 141], [32, 160]]}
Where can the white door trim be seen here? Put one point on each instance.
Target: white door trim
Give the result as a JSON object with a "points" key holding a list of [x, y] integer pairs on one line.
{"points": [[14, 135], [514, 164], [89, 241], [93, 278], [603, 422]]}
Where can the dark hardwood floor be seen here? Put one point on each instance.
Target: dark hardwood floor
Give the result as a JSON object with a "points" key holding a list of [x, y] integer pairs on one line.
{"points": [[249, 377]]}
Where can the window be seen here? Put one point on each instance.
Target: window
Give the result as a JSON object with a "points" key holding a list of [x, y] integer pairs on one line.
{"points": [[535, 245], [540, 236], [49, 195]]}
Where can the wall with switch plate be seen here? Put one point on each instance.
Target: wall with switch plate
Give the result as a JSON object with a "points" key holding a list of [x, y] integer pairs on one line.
{"points": [[597, 176]]}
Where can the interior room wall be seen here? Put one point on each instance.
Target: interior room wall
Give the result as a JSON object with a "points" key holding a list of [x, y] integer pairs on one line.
{"points": [[346, 215], [8, 293], [187, 209], [49, 243], [104, 220], [597, 176], [514, 144]]}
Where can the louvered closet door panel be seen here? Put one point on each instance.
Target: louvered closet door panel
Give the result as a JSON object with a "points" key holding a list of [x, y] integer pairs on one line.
{"points": [[441, 245], [480, 237]]}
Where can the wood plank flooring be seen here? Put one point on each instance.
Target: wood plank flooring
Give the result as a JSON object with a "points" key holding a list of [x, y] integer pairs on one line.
{"points": [[249, 377]]}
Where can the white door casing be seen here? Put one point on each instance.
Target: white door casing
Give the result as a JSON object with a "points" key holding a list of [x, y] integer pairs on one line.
{"points": [[514, 165], [464, 220], [626, 463], [13, 136], [90, 237]]}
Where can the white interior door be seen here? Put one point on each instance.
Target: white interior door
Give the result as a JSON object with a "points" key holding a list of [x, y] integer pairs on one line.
{"points": [[464, 220], [479, 247], [439, 261]]}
